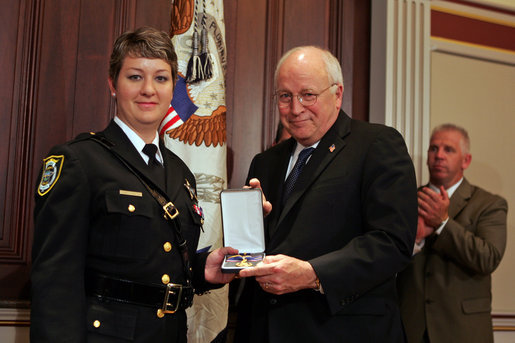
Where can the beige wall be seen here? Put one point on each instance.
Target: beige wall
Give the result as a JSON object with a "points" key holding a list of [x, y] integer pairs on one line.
{"points": [[480, 96]]}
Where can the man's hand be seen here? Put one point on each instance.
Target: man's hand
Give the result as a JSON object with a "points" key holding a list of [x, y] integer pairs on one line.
{"points": [[422, 230], [433, 207], [280, 274], [213, 272], [267, 206]]}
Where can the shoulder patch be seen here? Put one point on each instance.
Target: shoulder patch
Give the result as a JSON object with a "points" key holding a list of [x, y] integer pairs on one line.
{"points": [[51, 172]]}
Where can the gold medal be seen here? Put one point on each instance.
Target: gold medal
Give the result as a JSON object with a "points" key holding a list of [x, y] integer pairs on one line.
{"points": [[243, 263]]}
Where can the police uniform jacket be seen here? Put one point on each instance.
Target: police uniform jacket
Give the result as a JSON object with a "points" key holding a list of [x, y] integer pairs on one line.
{"points": [[352, 215], [93, 216]]}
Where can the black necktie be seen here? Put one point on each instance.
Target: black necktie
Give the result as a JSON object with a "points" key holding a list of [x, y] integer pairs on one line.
{"points": [[295, 172], [156, 169]]}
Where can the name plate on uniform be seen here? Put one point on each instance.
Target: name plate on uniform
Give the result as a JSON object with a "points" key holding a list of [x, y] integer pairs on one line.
{"points": [[243, 227]]}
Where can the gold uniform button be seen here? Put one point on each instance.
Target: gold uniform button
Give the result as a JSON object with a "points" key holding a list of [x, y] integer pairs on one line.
{"points": [[165, 279], [96, 323], [160, 313], [167, 247], [132, 208]]}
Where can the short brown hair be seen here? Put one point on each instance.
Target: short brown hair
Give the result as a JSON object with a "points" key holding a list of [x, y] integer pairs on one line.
{"points": [[146, 42]]}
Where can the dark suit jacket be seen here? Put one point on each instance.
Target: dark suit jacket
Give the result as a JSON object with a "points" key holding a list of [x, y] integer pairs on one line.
{"points": [[85, 222], [353, 216], [447, 287]]}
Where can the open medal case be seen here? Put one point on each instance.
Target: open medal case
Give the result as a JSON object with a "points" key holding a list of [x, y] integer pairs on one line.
{"points": [[243, 227]]}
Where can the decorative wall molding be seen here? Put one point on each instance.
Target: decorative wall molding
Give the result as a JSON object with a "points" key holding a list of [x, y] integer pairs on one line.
{"points": [[14, 317], [475, 8], [471, 50], [497, 48], [503, 321], [400, 73]]}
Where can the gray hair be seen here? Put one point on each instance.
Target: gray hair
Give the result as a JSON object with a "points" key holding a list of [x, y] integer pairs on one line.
{"points": [[332, 65], [464, 141]]}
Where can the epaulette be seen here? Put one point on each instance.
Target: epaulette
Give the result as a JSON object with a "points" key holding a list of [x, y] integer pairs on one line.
{"points": [[83, 136], [99, 137]]}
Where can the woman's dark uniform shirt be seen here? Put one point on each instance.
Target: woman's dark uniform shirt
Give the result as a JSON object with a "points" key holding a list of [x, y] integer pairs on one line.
{"points": [[93, 216]]}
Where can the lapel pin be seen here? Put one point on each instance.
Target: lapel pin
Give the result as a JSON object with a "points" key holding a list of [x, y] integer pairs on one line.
{"points": [[331, 148]]}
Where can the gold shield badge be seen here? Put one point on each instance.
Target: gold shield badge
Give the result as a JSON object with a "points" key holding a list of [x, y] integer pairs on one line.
{"points": [[51, 172]]}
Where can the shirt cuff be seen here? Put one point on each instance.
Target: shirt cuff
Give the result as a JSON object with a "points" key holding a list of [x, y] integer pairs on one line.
{"points": [[418, 246], [440, 228]]}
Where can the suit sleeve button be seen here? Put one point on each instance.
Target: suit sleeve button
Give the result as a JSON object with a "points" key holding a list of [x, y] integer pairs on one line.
{"points": [[96, 323]]}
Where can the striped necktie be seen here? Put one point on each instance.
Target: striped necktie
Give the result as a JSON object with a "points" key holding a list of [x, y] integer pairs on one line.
{"points": [[295, 172]]}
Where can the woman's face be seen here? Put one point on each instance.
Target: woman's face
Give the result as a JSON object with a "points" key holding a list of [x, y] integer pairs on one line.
{"points": [[144, 91]]}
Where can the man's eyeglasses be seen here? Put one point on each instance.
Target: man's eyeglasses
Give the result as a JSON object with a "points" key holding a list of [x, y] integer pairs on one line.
{"points": [[284, 99]]}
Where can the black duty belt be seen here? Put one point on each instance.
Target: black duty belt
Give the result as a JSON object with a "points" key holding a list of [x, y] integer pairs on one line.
{"points": [[168, 298]]}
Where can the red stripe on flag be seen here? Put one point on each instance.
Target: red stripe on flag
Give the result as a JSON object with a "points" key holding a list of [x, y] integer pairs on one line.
{"points": [[170, 122]]}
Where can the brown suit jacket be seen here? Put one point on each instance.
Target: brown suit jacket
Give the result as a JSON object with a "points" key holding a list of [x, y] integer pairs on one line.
{"points": [[446, 289]]}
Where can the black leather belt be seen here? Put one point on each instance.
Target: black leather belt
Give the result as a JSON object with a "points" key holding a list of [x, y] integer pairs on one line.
{"points": [[169, 298]]}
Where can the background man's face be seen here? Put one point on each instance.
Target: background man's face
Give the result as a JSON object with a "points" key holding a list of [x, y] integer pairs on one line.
{"points": [[445, 158]]}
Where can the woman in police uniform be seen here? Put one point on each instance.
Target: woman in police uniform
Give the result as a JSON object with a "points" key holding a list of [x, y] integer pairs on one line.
{"points": [[107, 265]]}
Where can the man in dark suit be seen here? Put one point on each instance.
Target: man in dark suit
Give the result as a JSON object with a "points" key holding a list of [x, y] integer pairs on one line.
{"points": [[347, 226], [445, 292]]}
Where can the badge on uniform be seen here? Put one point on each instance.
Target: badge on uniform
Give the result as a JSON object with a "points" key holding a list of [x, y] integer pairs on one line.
{"points": [[51, 172], [199, 211], [191, 190], [193, 196]]}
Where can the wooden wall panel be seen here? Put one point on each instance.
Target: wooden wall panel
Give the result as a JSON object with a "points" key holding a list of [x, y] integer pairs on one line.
{"points": [[153, 12], [305, 22], [18, 58], [8, 55], [92, 104], [56, 75], [354, 54], [246, 35]]}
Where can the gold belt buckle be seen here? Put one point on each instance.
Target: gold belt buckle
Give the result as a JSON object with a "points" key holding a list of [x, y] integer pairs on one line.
{"points": [[170, 211], [171, 288]]}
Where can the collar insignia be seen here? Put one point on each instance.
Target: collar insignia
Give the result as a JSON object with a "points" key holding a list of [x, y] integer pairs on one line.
{"points": [[191, 190]]}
